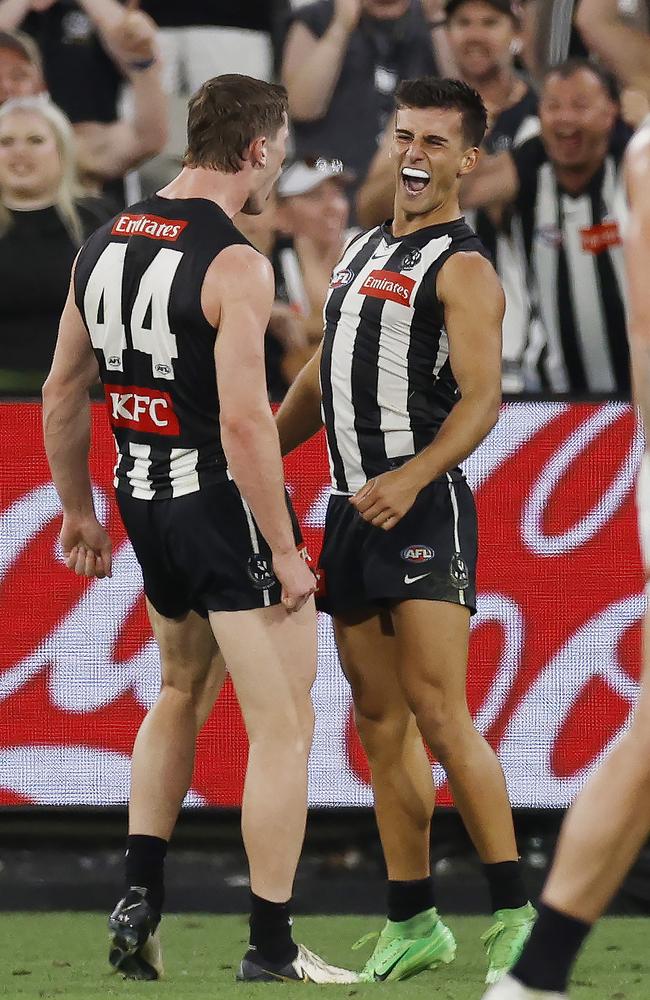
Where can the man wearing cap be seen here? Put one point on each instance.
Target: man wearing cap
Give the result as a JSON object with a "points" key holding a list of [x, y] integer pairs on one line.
{"points": [[106, 149]]}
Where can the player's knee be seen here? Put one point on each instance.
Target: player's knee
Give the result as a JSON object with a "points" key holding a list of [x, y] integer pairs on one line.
{"points": [[382, 734], [186, 685], [438, 723]]}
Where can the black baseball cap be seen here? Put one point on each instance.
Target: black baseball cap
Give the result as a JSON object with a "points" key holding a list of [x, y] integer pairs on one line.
{"points": [[503, 6]]}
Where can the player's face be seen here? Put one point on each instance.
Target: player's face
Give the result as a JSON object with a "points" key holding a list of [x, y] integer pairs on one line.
{"points": [[429, 154], [30, 165], [577, 116], [18, 77], [320, 215], [481, 40], [264, 178], [385, 10]]}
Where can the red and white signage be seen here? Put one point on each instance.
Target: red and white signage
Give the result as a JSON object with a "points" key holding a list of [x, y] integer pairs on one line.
{"points": [[555, 646]]}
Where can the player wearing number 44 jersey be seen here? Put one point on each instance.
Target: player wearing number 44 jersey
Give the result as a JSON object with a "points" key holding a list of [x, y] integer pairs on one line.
{"points": [[169, 305], [409, 381]]}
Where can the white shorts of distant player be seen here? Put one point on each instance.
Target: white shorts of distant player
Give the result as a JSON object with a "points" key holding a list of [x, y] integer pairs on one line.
{"points": [[643, 508]]}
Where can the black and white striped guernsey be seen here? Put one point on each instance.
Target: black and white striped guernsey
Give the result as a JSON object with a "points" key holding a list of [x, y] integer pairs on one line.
{"points": [[138, 283], [386, 380]]}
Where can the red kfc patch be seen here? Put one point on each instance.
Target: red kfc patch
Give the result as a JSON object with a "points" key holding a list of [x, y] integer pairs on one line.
{"points": [[141, 409], [596, 239]]}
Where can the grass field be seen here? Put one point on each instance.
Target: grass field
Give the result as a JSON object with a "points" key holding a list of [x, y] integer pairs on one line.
{"points": [[64, 955]]}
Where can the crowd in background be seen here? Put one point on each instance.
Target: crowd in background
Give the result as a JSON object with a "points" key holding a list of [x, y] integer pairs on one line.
{"points": [[93, 98]]}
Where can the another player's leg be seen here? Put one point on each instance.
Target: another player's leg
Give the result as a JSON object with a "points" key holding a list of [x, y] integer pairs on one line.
{"points": [[433, 677], [595, 851], [161, 771], [414, 938], [271, 657]]}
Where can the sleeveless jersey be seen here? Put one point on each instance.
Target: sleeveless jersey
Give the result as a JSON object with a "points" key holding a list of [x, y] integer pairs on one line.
{"points": [[386, 380], [137, 285]]}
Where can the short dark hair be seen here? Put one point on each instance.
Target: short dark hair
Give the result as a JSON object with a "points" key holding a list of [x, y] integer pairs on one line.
{"points": [[226, 114], [565, 70], [436, 92]]}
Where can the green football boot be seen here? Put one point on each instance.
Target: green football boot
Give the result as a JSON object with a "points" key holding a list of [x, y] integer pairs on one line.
{"points": [[407, 947], [505, 939]]}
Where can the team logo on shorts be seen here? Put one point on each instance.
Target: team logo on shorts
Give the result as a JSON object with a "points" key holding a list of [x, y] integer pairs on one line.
{"points": [[417, 553], [412, 259], [341, 278], [458, 572], [260, 573]]}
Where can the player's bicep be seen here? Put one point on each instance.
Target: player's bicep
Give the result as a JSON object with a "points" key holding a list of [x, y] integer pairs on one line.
{"points": [[474, 304], [74, 365]]}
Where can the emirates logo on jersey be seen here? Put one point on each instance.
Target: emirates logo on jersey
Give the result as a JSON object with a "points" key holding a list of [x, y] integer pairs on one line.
{"points": [[151, 226], [389, 285], [141, 409]]}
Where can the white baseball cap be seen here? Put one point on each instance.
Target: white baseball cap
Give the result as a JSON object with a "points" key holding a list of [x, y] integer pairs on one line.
{"points": [[304, 175]]}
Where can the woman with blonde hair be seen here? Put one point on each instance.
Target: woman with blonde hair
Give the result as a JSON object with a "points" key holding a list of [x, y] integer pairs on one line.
{"points": [[44, 219]]}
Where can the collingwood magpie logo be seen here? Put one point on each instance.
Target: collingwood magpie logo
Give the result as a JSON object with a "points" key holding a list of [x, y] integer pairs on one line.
{"points": [[458, 573], [411, 260], [260, 573]]}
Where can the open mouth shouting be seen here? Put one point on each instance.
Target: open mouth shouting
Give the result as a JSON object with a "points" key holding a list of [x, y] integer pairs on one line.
{"points": [[414, 180]]}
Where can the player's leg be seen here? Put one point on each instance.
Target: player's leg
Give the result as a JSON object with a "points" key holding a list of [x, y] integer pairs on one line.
{"points": [[271, 658], [595, 850], [433, 678], [161, 771], [414, 938]]}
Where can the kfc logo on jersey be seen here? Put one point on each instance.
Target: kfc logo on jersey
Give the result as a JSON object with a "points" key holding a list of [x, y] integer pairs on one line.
{"points": [[389, 285], [140, 409], [151, 226], [596, 239]]}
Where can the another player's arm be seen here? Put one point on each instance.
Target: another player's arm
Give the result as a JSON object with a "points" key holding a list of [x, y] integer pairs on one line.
{"points": [[637, 254], [299, 416], [66, 430], [622, 45], [237, 298], [474, 333]]}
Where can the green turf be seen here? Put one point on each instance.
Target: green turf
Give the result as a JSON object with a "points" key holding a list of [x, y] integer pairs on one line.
{"points": [[64, 955]]}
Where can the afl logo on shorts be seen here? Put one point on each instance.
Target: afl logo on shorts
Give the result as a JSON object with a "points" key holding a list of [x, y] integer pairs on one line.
{"points": [[260, 573], [458, 573], [341, 278], [412, 259], [417, 553]]}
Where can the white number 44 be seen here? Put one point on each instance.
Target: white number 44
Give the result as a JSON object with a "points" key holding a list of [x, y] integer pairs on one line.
{"points": [[103, 309]]}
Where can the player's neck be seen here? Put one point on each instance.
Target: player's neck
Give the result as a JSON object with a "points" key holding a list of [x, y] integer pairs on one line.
{"points": [[404, 223], [228, 191]]}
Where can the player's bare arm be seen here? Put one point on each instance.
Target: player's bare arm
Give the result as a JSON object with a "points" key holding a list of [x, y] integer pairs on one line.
{"points": [[637, 249], [299, 416], [620, 43], [66, 426], [475, 356], [248, 432]]}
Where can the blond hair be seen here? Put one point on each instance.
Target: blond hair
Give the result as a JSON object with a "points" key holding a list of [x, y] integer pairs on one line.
{"points": [[69, 187]]}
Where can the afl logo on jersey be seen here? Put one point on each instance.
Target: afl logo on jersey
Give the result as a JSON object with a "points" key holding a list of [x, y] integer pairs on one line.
{"points": [[417, 553], [341, 278], [411, 260]]}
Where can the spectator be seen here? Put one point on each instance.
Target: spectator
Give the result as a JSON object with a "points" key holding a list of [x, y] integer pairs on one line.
{"points": [[43, 222], [564, 188], [342, 62], [106, 150]]}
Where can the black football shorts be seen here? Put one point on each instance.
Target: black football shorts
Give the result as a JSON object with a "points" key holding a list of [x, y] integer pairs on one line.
{"points": [[429, 555], [202, 552]]}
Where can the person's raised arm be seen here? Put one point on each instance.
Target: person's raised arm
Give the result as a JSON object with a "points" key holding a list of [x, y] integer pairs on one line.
{"points": [[493, 183], [475, 356], [374, 202], [66, 430], [237, 298], [620, 43], [299, 416], [130, 36], [637, 252], [13, 13], [311, 66]]}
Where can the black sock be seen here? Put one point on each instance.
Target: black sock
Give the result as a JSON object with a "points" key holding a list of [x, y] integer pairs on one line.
{"points": [[145, 866], [506, 885], [405, 899], [551, 951], [270, 925]]}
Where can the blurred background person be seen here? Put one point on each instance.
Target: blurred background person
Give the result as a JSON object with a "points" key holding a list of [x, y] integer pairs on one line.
{"points": [[563, 186], [88, 50], [43, 222], [342, 62]]}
